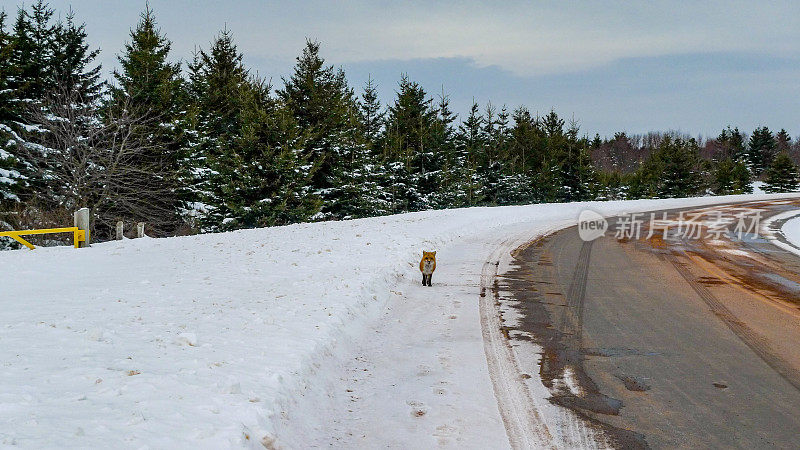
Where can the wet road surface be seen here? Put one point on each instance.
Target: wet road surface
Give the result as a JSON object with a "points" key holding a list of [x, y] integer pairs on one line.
{"points": [[667, 341]]}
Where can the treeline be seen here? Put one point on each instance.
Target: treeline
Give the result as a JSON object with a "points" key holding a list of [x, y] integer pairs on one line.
{"points": [[215, 147]]}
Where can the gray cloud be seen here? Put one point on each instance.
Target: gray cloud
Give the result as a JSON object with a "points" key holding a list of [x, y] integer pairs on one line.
{"points": [[615, 64]]}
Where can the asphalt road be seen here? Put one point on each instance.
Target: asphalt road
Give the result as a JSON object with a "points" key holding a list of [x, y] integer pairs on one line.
{"points": [[667, 343]]}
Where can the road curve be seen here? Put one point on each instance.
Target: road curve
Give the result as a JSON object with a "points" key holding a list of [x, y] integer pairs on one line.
{"points": [[666, 343]]}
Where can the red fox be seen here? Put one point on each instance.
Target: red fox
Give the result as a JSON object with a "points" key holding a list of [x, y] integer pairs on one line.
{"points": [[427, 266]]}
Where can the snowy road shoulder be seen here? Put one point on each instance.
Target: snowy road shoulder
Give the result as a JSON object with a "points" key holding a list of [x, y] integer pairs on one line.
{"points": [[253, 338]]}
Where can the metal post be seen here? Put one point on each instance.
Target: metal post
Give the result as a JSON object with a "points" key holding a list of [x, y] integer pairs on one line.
{"points": [[140, 230], [82, 222]]}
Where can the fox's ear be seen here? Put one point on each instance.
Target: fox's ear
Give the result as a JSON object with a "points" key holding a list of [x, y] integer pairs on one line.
{"points": [[434, 253]]}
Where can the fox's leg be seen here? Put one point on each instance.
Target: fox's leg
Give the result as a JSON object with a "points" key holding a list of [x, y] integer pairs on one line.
{"points": [[430, 275], [423, 279]]}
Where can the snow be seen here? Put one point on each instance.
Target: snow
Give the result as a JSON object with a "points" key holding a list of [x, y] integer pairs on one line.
{"points": [[253, 338], [758, 187], [791, 229], [783, 230]]}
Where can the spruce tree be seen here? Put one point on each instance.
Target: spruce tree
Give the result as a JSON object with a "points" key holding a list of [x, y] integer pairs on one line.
{"points": [[783, 141], [761, 151], [674, 169], [682, 174], [71, 64], [56, 69], [469, 153], [150, 87], [443, 137], [371, 112], [10, 177], [490, 170], [731, 177], [782, 175], [326, 110], [733, 143], [413, 162], [578, 177], [245, 147]]}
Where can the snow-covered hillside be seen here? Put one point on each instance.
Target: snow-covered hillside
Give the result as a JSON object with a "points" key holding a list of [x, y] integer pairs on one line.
{"points": [[248, 338]]}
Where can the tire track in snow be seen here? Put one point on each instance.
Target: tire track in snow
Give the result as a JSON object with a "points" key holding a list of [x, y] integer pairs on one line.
{"points": [[524, 425]]}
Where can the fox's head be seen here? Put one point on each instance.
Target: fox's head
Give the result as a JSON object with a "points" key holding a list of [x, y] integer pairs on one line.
{"points": [[428, 256]]}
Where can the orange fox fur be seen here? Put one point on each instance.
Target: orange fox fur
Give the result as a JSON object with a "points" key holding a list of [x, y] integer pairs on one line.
{"points": [[427, 265]]}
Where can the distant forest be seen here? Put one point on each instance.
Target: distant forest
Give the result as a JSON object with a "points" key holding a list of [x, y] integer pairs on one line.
{"points": [[209, 146]]}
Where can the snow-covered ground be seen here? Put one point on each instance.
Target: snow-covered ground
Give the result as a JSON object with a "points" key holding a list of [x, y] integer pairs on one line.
{"points": [[305, 335], [791, 229], [784, 230]]}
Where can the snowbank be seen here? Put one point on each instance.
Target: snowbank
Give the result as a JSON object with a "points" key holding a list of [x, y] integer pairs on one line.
{"points": [[214, 340], [791, 229]]}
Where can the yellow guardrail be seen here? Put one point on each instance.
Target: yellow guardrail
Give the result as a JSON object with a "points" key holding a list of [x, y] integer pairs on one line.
{"points": [[78, 235]]}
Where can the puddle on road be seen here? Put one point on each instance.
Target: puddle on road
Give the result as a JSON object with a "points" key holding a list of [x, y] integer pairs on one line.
{"points": [[633, 383]]}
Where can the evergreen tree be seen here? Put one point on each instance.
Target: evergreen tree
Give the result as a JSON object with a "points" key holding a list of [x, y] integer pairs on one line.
{"points": [[470, 149], [371, 112], [578, 177], [245, 147], [491, 170], [732, 141], [71, 61], [150, 87], [783, 142], [731, 177], [327, 112], [761, 150], [55, 69], [10, 177], [674, 169], [443, 137], [413, 161], [782, 175]]}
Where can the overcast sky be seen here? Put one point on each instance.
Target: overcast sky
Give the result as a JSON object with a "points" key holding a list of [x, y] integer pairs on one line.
{"points": [[613, 65]]}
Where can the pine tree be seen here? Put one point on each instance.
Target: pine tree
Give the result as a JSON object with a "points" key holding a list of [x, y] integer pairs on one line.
{"points": [[150, 86], [246, 147], [470, 149], [371, 112], [761, 151], [326, 110], [413, 161], [577, 173], [731, 177], [490, 169], [783, 141], [782, 175], [10, 177], [443, 137], [682, 174], [56, 70], [732, 141], [674, 169]]}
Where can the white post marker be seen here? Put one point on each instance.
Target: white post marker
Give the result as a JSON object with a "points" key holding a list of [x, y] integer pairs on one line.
{"points": [[140, 229], [120, 230], [81, 218]]}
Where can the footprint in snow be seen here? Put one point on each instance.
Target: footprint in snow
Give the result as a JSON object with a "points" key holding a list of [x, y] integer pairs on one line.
{"points": [[418, 409]]}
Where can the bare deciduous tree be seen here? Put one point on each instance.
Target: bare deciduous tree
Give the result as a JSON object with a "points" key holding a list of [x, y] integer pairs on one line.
{"points": [[83, 154]]}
